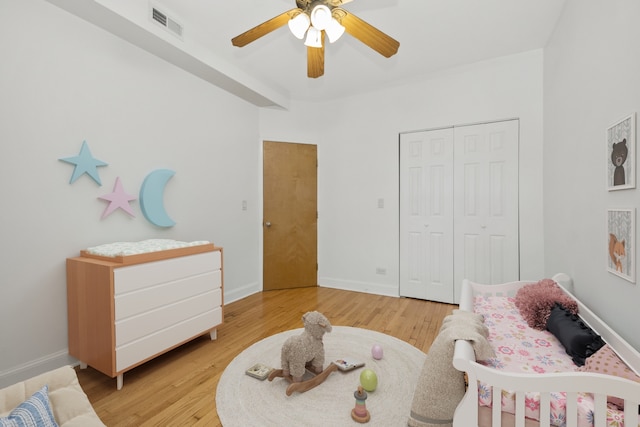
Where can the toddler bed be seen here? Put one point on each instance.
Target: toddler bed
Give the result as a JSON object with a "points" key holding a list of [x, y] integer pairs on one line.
{"points": [[536, 382]]}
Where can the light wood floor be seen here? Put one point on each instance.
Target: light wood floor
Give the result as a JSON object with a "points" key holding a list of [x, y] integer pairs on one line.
{"points": [[178, 388]]}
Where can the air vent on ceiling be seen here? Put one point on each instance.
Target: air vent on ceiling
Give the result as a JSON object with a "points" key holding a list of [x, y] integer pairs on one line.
{"points": [[166, 21]]}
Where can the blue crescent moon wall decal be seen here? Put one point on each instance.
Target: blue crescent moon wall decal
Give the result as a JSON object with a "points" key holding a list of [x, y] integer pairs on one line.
{"points": [[152, 197]]}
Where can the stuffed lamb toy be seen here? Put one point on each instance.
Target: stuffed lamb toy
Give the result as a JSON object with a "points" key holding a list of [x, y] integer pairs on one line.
{"points": [[305, 350]]}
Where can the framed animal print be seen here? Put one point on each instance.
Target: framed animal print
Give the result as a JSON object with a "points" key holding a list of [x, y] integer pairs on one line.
{"points": [[621, 224], [621, 154]]}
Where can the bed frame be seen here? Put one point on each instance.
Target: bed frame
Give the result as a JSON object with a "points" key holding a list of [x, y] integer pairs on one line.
{"points": [[467, 412]]}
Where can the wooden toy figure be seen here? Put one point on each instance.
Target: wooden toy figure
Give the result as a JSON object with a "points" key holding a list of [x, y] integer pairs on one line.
{"points": [[359, 413]]}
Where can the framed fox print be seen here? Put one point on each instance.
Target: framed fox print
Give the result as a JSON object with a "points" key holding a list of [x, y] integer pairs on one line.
{"points": [[621, 243]]}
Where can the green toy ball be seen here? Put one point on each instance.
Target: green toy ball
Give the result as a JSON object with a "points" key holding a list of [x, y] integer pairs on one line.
{"points": [[368, 380]]}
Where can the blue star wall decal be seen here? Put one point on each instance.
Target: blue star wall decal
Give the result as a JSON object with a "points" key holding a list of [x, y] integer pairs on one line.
{"points": [[84, 163]]}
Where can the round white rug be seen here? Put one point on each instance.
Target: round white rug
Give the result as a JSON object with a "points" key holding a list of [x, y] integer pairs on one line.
{"points": [[245, 401]]}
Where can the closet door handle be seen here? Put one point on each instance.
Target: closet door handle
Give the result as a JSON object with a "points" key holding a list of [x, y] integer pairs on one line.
{"points": [[267, 224]]}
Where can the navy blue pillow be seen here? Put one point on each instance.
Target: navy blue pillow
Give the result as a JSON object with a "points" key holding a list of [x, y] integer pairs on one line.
{"points": [[578, 339]]}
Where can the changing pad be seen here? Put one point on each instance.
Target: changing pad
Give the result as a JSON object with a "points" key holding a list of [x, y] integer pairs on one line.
{"points": [[116, 249]]}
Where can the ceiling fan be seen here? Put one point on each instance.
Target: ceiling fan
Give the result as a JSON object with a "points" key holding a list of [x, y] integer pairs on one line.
{"points": [[317, 18]]}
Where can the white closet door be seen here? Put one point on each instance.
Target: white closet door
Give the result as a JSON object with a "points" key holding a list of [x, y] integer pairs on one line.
{"points": [[426, 215], [486, 242], [458, 209]]}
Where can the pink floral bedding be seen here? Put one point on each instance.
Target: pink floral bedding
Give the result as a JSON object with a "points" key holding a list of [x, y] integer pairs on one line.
{"points": [[522, 349]]}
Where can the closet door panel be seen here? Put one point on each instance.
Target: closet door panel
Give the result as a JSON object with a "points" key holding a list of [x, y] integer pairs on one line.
{"points": [[486, 243], [426, 240]]}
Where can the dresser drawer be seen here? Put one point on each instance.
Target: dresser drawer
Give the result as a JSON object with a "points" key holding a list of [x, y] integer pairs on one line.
{"points": [[140, 276], [151, 345], [143, 300], [157, 320]]}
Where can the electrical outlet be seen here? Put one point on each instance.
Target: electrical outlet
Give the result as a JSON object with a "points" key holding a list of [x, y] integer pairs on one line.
{"points": [[381, 270], [244, 205], [380, 203]]}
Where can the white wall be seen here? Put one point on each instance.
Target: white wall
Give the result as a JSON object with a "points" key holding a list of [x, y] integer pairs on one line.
{"points": [[63, 81], [359, 159], [591, 80]]}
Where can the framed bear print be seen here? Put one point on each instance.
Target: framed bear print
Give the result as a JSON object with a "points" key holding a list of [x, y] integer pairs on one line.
{"points": [[621, 224], [621, 157]]}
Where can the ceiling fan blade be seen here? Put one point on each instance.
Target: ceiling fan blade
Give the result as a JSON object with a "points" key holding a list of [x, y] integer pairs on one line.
{"points": [[368, 34], [264, 28], [315, 59], [336, 3]]}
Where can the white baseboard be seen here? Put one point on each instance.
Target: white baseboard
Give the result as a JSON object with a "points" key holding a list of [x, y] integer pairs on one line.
{"points": [[352, 285], [36, 367], [324, 282], [242, 292]]}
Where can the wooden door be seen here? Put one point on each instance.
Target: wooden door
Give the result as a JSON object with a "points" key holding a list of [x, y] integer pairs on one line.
{"points": [[290, 218], [426, 209]]}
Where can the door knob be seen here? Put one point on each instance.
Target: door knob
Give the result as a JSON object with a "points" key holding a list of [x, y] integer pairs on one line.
{"points": [[267, 224]]}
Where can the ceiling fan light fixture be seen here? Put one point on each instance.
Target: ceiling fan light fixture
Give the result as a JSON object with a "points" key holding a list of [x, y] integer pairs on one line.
{"points": [[334, 31], [321, 17], [315, 18], [299, 25], [313, 37]]}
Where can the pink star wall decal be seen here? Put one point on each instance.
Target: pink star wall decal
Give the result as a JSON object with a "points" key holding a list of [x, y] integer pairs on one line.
{"points": [[117, 199]]}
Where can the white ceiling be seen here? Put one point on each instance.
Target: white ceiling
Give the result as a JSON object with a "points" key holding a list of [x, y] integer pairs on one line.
{"points": [[433, 35]]}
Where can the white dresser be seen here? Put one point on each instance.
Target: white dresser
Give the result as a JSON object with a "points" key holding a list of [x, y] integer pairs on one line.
{"points": [[125, 311]]}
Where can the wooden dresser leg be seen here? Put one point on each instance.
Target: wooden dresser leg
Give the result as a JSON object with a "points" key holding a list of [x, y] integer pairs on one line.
{"points": [[119, 381], [213, 334]]}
